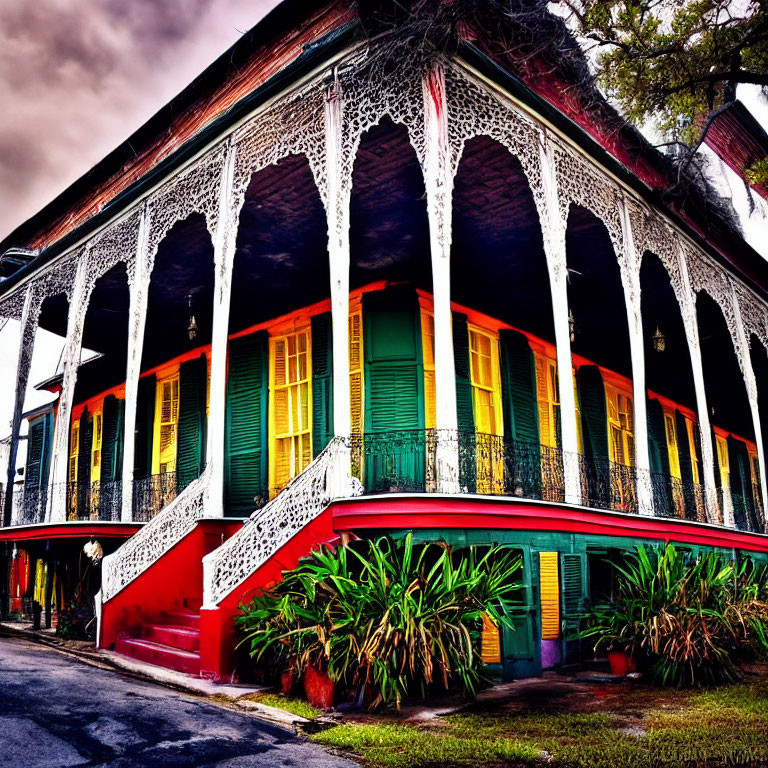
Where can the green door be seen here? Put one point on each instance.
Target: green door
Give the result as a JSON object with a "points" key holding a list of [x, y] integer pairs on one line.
{"points": [[190, 450], [521, 649], [322, 382], [245, 465], [394, 393], [574, 597]]}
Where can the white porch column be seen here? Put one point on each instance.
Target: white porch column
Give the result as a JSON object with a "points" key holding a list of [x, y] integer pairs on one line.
{"points": [[27, 329], [137, 312], [553, 231], [751, 385], [57, 509], [705, 429], [224, 254], [637, 355], [439, 187], [337, 212]]}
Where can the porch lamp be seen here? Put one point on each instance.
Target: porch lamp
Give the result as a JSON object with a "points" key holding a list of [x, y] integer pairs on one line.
{"points": [[659, 340], [192, 327]]}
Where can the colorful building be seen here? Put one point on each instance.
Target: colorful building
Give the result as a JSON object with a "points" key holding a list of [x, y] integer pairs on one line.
{"points": [[341, 287]]}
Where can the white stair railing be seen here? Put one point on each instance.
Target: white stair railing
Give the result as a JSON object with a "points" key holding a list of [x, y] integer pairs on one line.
{"points": [[303, 499], [149, 544]]}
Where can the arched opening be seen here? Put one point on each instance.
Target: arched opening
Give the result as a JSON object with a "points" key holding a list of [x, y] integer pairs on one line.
{"points": [[279, 406], [35, 455], [97, 427], [509, 414], [730, 415], [391, 326], [172, 401], [674, 443], [601, 351]]}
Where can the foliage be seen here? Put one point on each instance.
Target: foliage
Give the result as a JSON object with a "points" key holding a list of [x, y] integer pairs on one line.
{"points": [[387, 615], [689, 619], [675, 61], [76, 623], [626, 726]]}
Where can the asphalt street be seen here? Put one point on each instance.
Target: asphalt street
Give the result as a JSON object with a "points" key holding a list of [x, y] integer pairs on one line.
{"points": [[56, 711]]}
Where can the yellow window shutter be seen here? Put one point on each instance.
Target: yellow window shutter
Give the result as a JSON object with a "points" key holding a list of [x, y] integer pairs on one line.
{"points": [[356, 371], [490, 646], [428, 354], [549, 579], [546, 428]]}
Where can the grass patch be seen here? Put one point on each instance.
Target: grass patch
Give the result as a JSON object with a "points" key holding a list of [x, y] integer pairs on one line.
{"points": [[297, 707], [715, 728]]}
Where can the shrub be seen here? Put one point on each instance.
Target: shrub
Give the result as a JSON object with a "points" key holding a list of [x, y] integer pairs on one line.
{"points": [[387, 615], [689, 619]]}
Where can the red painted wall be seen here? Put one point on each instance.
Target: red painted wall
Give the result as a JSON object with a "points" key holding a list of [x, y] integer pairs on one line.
{"points": [[175, 578], [217, 635]]}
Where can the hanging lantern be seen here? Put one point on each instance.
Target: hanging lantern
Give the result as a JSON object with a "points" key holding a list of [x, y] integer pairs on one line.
{"points": [[659, 340], [571, 326], [192, 327]]}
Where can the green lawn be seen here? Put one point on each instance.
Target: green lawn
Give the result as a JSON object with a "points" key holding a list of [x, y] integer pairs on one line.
{"points": [[616, 726]]}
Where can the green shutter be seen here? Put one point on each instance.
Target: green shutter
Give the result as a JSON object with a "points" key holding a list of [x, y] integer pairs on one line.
{"points": [[246, 426], [112, 432], [394, 392], [35, 446], [521, 414], [659, 457], [594, 427], [464, 406], [686, 466], [84, 455], [111, 439], [190, 450], [741, 485], [574, 598], [322, 382], [145, 424]]}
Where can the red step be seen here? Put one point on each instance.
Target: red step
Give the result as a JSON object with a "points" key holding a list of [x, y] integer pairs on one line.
{"points": [[159, 654], [182, 617], [183, 638]]}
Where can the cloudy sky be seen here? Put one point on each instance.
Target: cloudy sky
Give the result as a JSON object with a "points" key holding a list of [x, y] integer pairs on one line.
{"points": [[78, 76]]}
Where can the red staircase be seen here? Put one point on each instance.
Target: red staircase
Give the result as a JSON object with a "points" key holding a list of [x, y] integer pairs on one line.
{"points": [[173, 642]]}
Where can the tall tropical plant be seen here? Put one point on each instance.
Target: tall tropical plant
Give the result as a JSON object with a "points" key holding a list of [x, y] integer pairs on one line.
{"points": [[689, 618], [387, 614]]}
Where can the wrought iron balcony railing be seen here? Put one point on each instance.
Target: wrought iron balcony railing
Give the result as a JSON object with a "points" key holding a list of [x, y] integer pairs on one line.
{"points": [[152, 493], [95, 501]]}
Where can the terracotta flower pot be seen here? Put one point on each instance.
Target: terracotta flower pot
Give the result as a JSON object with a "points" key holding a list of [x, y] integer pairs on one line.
{"points": [[621, 662], [288, 682], [319, 688]]}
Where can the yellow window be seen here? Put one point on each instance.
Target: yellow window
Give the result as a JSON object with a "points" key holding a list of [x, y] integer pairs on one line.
{"points": [[428, 354], [549, 579], [166, 424], [579, 432], [356, 386], [486, 397], [722, 460], [621, 435], [547, 393], [672, 449], [486, 388], [74, 450], [290, 406], [96, 448], [691, 427]]}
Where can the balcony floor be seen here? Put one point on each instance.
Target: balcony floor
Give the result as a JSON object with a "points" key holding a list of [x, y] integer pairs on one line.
{"points": [[439, 511]]}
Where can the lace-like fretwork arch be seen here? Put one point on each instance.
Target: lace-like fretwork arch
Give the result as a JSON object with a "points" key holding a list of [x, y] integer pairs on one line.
{"points": [[375, 89], [294, 126], [114, 245], [753, 315], [195, 190], [712, 279], [475, 111]]}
